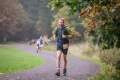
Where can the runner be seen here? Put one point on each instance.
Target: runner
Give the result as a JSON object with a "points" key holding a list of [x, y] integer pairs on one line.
{"points": [[39, 44]]}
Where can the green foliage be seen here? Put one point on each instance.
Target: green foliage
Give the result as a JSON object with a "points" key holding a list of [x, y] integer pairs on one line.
{"points": [[102, 19], [45, 19], [75, 5], [13, 60], [110, 56], [70, 21], [89, 52], [104, 14], [14, 20], [108, 72], [41, 17]]}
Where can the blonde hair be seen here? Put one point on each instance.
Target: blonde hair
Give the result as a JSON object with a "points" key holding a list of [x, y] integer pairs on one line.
{"points": [[62, 19]]}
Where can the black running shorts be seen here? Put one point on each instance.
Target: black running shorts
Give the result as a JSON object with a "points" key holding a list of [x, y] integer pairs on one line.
{"points": [[63, 49]]}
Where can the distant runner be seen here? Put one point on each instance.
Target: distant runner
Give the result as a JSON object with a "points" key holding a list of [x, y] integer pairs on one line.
{"points": [[39, 44]]}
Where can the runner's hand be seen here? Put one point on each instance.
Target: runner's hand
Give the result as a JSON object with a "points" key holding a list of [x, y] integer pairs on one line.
{"points": [[63, 36]]}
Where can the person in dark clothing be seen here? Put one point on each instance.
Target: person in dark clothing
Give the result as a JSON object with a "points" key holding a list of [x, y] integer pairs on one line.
{"points": [[62, 34]]}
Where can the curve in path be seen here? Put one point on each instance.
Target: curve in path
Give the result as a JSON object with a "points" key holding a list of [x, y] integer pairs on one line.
{"points": [[77, 69]]}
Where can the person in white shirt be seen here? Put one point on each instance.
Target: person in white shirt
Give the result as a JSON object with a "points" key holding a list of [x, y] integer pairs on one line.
{"points": [[39, 44]]}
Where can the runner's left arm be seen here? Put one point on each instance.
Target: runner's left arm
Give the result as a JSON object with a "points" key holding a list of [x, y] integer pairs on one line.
{"points": [[70, 33]]}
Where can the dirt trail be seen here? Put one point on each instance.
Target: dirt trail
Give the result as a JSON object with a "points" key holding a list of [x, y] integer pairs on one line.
{"points": [[77, 69]]}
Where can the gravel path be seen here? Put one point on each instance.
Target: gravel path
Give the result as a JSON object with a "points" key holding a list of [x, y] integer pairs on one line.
{"points": [[77, 69]]}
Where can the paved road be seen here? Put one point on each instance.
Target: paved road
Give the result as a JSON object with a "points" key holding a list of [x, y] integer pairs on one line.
{"points": [[77, 69]]}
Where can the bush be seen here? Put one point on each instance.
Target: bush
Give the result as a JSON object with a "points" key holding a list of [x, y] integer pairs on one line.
{"points": [[108, 72], [110, 56], [111, 68]]}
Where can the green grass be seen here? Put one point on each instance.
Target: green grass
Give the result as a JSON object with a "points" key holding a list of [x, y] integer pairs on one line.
{"points": [[91, 59], [52, 48], [108, 72], [8, 42], [14, 60]]}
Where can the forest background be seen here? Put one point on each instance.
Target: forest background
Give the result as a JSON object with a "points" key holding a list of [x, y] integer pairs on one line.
{"points": [[92, 21]]}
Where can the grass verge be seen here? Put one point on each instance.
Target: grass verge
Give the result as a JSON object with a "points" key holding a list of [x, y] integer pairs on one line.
{"points": [[14, 60], [109, 70], [76, 51], [50, 47]]}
